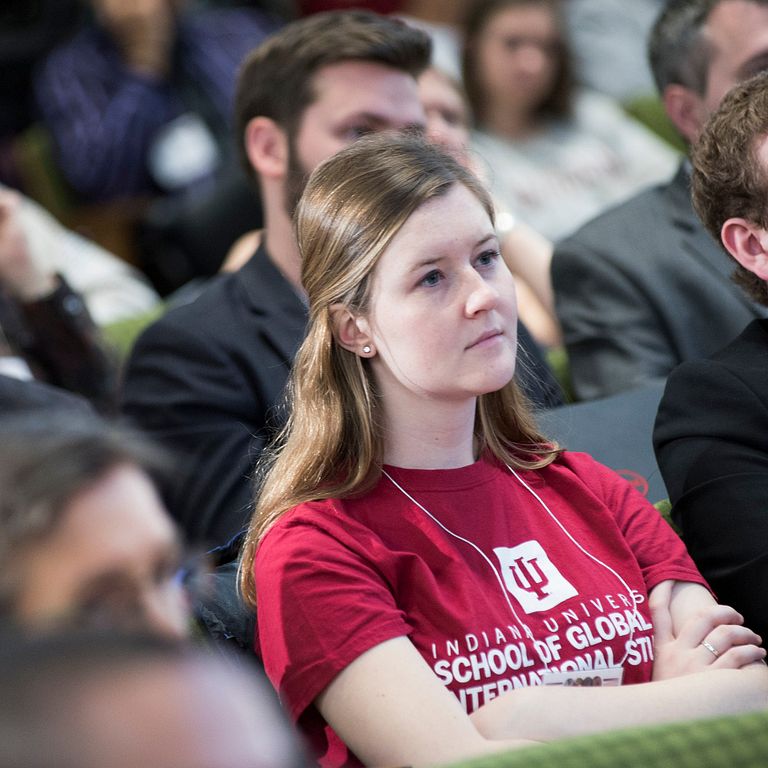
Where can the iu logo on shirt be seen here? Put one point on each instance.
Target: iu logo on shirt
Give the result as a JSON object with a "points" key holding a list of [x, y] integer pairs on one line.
{"points": [[532, 577]]}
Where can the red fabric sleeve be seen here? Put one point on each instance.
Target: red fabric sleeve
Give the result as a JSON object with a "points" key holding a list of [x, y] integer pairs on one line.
{"points": [[659, 551], [321, 604]]}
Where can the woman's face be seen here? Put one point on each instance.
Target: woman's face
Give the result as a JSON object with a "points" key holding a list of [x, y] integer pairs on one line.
{"points": [[517, 57], [446, 113], [443, 317]]}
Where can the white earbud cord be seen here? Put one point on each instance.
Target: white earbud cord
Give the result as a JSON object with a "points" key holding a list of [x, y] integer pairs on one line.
{"points": [[474, 546], [592, 557]]}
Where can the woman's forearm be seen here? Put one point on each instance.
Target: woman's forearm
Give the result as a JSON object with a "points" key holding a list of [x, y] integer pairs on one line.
{"points": [[548, 713]]}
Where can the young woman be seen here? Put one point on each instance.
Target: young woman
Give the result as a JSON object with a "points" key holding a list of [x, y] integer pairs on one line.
{"points": [[557, 156], [432, 578]]}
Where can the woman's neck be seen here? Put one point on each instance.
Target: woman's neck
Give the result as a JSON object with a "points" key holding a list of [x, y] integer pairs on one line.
{"points": [[437, 436]]}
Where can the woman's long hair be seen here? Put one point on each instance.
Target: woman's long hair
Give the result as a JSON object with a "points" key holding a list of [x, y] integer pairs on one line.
{"points": [[332, 445]]}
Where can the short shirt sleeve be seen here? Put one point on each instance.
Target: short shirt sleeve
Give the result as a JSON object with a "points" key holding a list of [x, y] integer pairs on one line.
{"points": [[659, 551], [321, 603]]}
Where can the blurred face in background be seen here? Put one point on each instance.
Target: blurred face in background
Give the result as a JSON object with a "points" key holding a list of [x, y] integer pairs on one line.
{"points": [[446, 112], [517, 55], [111, 560]]}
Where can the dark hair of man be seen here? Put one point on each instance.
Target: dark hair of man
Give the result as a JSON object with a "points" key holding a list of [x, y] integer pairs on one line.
{"points": [[558, 102], [678, 51], [276, 80], [729, 178], [44, 463]]}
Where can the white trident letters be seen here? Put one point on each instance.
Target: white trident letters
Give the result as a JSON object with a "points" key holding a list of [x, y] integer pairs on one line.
{"points": [[532, 577]]}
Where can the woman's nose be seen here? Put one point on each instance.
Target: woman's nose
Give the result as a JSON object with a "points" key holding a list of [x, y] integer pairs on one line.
{"points": [[482, 295]]}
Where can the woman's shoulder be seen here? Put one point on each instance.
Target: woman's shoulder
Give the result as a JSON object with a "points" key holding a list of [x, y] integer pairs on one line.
{"points": [[311, 526], [582, 468], [319, 514]]}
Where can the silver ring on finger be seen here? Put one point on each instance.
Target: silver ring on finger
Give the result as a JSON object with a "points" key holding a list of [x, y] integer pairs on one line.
{"points": [[711, 648]]}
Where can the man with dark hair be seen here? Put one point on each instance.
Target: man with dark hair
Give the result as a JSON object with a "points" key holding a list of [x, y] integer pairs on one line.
{"points": [[711, 434], [84, 539], [635, 287], [206, 378]]}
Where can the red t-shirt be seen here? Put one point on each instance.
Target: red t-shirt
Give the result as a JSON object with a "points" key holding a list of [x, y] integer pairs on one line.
{"points": [[471, 578]]}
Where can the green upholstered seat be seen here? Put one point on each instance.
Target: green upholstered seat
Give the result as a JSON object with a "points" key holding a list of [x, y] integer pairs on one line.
{"points": [[739, 741]]}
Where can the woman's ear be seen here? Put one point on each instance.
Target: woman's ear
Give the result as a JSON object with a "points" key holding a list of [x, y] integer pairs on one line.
{"points": [[351, 331]]}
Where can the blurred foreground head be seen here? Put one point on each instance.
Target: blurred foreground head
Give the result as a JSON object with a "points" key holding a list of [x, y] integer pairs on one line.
{"points": [[126, 701], [84, 537]]}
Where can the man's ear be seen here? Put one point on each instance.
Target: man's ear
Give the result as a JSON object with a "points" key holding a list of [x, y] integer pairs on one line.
{"points": [[266, 145], [351, 331], [685, 109], [747, 242]]}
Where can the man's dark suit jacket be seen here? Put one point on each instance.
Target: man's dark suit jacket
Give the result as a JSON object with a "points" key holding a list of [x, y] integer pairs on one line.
{"points": [[205, 381], [711, 441], [642, 288]]}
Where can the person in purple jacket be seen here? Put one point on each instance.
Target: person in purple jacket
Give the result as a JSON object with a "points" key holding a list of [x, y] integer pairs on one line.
{"points": [[138, 102]]}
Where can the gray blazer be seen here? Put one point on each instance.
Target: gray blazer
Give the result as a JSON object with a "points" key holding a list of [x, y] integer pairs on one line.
{"points": [[641, 288]]}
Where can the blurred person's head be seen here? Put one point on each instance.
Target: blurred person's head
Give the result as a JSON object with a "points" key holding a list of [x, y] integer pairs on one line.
{"points": [[319, 84], [89, 700], [700, 49], [516, 60], [730, 182], [84, 537], [446, 111]]}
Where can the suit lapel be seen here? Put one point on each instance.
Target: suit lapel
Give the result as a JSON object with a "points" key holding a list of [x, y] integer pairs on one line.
{"points": [[283, 315]]}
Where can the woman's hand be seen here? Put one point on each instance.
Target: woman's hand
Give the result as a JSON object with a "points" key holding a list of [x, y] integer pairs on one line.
{"points": [[711, 637]]}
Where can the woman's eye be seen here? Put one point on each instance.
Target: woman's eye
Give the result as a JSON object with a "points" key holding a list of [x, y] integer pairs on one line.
{"points": [[431, 278]]}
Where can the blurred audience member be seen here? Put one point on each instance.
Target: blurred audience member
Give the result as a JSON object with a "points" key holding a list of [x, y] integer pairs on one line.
{"points": [[138, 102], [442, 22], [28, 31], [608, 38], [644, 287], [46, 331], [205, 378], [711, 433], [556, 156], [112, 290], [527, 253], [89, 700], [84, 539]]}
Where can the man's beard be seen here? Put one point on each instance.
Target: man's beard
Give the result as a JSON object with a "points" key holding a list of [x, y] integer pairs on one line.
{"points": [[295, 180]]}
